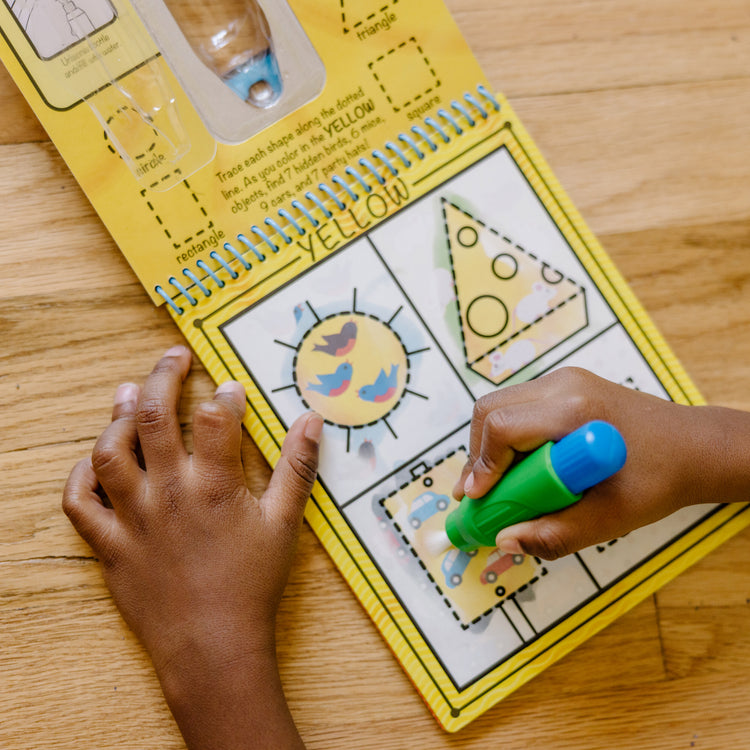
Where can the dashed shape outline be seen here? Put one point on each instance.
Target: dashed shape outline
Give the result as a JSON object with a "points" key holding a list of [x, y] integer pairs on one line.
{"points": [[580, 288], [463, 625], [309, 331], [144, 155], [372, 15], [143, 193], [417, 97], [159, 220]]}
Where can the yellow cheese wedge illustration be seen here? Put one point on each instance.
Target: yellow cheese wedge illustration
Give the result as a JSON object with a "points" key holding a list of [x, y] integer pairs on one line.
{"points": [[513, 306]]}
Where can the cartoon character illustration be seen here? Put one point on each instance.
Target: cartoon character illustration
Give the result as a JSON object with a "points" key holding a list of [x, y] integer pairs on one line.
{"points": [[425, 506], [454, 566], [497, 564], [533, 306], [299, 311], [382, 389], [341, 343], [516, 356], [335, 383]]}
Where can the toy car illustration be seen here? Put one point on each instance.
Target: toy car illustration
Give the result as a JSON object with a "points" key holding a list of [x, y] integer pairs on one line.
{"points": [[497, 564], [426, 505], [454, 565]]}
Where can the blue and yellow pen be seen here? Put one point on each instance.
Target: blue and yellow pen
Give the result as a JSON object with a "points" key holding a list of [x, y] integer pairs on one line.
{"points": [[547, 480]]}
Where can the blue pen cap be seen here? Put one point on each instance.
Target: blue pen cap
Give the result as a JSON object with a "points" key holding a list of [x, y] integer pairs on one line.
{"points": [[588, 455]]}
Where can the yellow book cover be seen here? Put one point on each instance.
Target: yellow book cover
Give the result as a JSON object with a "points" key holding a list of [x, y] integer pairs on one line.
{"points": [[338, 212]]}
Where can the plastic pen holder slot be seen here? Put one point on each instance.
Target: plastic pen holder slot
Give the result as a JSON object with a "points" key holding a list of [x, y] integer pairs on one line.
{"points": [[99, 52], [244, 64]]}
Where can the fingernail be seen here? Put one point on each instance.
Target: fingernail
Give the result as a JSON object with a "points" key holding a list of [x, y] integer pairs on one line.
{"points": [[176, 351], [126, 393], [232, 388], [509, 545], [469, 484], [314, 428]]}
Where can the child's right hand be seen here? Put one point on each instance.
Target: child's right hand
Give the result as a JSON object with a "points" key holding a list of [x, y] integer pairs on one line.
{"points": [[677, 456]]}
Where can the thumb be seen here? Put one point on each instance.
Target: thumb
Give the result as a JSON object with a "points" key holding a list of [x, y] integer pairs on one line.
{"points": [[593, 519], [543, 538], [295, 473], [551, 536]]}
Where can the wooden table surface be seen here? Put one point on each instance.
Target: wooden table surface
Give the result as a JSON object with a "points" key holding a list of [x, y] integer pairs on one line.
{"points": [[642, 107]]}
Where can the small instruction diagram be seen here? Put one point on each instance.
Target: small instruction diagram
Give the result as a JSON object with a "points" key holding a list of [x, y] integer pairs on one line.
{"points": [[52, 26]]}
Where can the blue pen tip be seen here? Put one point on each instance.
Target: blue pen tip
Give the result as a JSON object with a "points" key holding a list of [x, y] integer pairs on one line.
{"points": [[588, 455], [257, 80]]}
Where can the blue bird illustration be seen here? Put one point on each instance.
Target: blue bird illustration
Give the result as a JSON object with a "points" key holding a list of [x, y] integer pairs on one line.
{"points": [[341, 343], [382, 389], [334, 383], [298, 312]]}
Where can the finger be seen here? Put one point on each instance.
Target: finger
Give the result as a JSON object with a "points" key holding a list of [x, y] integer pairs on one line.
{"points": [[257, 470], [125, 401], [83, 506], [157, 414], [529, 414], [591, 520], [217, 432], [513, 429], [496, 416], [458, 488], [516, 428], [114, 458], [521, 394], [293, 478]]}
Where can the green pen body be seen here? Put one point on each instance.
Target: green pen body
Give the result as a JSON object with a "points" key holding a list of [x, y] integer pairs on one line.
{"points": [[528, 490]]}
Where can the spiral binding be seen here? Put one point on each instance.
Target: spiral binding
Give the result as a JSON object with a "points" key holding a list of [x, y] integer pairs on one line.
{"points": [[442, 129]]}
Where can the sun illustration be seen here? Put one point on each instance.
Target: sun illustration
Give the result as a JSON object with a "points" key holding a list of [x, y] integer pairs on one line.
{"points": [[351, 368]]}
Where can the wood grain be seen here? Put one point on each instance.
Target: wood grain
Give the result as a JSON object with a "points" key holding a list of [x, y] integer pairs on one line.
{"points": [[641, 107]]}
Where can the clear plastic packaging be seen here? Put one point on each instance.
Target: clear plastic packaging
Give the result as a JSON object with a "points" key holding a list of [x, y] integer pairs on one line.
{"points": [[233, 39], [245, 64]]}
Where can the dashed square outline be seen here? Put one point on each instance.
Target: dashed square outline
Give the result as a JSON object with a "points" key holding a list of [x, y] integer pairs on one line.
{"points": [[417, 97], [353, 26]]}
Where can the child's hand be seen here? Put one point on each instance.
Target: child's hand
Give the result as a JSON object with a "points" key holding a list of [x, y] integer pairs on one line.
{"points": [[195, 563], [677, 456]]}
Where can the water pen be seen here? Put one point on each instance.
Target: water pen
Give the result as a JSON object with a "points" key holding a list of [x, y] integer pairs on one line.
{"points": [[233, 40], [551, 478]]}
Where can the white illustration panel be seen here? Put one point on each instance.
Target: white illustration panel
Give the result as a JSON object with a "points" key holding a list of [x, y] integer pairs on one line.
{"points": [[344, 341]]}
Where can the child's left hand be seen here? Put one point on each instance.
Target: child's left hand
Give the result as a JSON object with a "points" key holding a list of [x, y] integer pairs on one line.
{"points": [[195, 563]]}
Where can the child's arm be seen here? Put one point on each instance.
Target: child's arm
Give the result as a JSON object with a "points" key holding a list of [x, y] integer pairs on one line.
{"points": [[195, 563], [677, 456]]}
